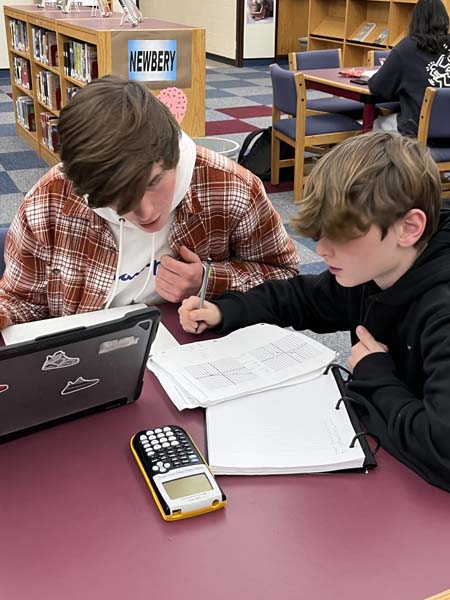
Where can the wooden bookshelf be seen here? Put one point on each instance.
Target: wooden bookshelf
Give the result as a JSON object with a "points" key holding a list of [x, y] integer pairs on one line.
{"points": [[292, 23], [110, 42], [334, 24]]}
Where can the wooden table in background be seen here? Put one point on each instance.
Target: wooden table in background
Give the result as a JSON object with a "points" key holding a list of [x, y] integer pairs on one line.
{"points": [[331, 82]]}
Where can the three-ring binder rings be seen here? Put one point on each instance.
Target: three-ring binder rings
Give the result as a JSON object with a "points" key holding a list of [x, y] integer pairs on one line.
{"points": [[272, 405]]}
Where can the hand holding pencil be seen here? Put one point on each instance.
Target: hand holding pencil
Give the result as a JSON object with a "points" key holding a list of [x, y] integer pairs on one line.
{"points": [[206, 275], [196, 314], [194, 319]]}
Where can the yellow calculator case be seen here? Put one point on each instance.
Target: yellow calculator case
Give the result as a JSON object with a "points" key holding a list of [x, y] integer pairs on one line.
{"points": [[178, 476]]}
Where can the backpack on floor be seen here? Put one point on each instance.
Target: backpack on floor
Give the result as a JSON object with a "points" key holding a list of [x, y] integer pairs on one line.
{"points": [[255, 154]]}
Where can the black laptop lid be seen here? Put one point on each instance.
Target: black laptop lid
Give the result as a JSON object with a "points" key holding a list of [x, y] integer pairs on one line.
{"points": [[71, 373]]}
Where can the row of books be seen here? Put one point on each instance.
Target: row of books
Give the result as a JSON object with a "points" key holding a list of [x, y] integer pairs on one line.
{"points": [[366, 29], [49, 130], [80, 61], [45, 48], [48, 89], [19, 35], [22, 72], [25, 112]]}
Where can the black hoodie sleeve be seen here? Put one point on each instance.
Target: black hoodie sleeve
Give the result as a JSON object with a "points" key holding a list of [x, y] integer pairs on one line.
{"points": [[313, 302], [386, 82], [415, 430]]}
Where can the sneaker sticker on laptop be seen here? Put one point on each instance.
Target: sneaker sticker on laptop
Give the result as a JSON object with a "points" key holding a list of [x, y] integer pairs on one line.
{"points": [[79, 384], [59, 360], [4, 387]]}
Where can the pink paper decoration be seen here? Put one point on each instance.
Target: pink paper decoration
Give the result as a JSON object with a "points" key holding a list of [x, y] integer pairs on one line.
{"points": [[175, 100]]}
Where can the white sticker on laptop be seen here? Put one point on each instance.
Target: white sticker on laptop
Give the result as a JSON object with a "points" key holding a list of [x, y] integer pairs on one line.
{"points": [[4, 387], [118, 344], [78, 385], [59, 360]]}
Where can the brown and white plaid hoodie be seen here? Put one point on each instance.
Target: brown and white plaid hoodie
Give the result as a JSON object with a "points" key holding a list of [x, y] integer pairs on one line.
{"points": [[61, 257]]}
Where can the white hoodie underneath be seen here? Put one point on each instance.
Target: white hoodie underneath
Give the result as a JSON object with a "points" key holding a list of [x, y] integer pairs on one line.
{"points": [[140, 252]]}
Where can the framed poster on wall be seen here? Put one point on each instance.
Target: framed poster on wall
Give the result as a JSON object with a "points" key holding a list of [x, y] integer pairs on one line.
{"points": [[259, 28]]}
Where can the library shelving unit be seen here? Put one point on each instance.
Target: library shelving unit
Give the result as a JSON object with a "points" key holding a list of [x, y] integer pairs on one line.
{"points": [[292, 23], [52, 54], [357, 26]]}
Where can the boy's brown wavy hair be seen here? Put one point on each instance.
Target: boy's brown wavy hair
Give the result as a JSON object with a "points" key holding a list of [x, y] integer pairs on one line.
{"points": [[112, 132], [374, 178]]}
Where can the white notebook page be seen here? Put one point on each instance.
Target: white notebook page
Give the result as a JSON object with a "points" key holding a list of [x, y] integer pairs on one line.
{"points": [[293, 429]]}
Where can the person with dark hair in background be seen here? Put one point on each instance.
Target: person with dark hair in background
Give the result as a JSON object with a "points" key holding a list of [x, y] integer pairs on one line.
{"points": [[420, 60]]}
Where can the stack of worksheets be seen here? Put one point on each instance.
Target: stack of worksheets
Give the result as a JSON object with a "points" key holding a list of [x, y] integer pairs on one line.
{"points": [[248, 361], [270, 408]]}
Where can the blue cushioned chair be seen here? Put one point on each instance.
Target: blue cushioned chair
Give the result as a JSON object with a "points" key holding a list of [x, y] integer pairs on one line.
{"points": [[325, 59], [373, 59], [3, 232], [434, 128], [300, 131]]}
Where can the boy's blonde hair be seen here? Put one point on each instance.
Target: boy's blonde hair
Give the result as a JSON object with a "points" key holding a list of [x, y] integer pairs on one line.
{"points": [[375, 178]]}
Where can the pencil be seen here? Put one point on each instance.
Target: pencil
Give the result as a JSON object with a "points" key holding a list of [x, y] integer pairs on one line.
{"points": [[206, 274]]}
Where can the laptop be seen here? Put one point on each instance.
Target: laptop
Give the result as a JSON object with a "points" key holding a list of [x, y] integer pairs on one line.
{"points": [[74, 372]]}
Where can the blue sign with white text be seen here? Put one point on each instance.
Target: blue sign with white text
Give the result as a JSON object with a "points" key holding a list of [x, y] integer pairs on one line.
{"points": [[152, 60]]}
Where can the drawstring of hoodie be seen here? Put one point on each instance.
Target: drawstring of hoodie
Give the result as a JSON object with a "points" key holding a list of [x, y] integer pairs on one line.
{"points": [[119, 260], [119, 264], [149, 274]]}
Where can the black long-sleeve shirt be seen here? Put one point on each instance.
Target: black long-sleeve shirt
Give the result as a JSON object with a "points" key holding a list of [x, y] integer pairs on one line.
{"points": [[404, 394]]}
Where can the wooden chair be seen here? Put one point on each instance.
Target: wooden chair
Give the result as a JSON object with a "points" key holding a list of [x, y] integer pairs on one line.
{"points": [[300, 131], [325, 59], [434, 129], [373, 59]]}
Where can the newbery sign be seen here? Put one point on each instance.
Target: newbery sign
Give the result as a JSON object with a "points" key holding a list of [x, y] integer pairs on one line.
{"points": [[152, 60], [156, 62]]}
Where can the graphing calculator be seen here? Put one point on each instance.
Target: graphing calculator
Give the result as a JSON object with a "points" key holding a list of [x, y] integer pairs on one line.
{"points": [[178, 476]]}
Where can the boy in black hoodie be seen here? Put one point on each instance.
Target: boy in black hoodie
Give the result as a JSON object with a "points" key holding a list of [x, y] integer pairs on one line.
{"points": [[373, 204]]}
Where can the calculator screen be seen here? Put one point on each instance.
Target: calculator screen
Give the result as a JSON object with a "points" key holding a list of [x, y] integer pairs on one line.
{"points": [[187, 486]]}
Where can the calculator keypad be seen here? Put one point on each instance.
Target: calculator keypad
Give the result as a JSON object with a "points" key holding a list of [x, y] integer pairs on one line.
{"points": [[167, 448]]}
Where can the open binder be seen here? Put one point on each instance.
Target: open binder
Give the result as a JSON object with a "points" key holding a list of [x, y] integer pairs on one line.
{"points": [[310, 427]]}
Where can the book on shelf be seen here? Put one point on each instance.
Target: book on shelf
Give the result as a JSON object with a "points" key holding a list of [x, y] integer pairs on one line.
{"points": [[45, 48], [22, 71], [80, 61], [48, 89], [363, 32], [19, 35], [25, 112], [49, 131], [381, 37]]}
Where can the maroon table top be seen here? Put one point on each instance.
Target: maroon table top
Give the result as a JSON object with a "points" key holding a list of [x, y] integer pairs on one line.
{"points": [[78, 522], [333, 78]]}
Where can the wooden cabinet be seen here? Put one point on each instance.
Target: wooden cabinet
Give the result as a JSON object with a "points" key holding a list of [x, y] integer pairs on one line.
{"points": [[292, 23], [342, 24], [52, 54], [357, 26]]}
